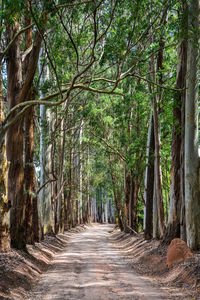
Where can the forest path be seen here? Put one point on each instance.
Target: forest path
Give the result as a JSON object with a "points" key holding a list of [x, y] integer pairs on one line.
{"points": [[92, 268]]}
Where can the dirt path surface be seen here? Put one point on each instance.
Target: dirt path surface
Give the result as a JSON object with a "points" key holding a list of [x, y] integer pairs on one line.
{"points": [[92, 268]]}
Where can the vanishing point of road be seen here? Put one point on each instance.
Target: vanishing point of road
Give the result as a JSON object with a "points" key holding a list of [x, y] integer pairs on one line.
{"points": [[92, 268]]}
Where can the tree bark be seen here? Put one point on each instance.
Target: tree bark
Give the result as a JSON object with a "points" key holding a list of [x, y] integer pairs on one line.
{"points": [[117, 198], [31, 211], [15, 144], [68, 201], [4, 205], [192, 203], [177, 164], [81, 174], [31, 207], [134, 204], [158, 172], [155, 100], [149, 183], [60, 196], [127, 198], [18, 92], [156, 232], [47, 154]]}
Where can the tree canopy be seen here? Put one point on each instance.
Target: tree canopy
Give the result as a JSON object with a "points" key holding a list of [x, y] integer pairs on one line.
{"points": [[94, 110]]}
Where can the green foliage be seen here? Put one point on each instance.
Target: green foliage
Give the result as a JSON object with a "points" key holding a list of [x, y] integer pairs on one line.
{"points": [[93, 45]]}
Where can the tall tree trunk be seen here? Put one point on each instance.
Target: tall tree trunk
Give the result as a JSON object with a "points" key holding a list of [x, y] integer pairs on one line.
{"points": [[127, 198], [192, 193], [155, 100], [117, 198], [68, 201], [158, 173], [31, 211], [15, 144], [60, 196], [149, 183], [4, 206], [176, 185], [156, 232], [17, 92], [45, 199], [81, 174], [134, 203], [76, 178], [31, 208]]}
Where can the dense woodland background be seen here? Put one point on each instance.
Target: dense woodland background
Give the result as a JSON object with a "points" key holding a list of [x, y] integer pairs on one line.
{"points": [[99, 117]]}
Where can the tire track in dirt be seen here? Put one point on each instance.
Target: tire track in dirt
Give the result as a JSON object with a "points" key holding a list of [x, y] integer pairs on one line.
{"points": [[92, 268]]}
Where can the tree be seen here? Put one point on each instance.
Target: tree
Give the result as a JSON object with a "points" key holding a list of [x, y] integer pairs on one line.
{"points": [[149, 183], [192, 203], [4, 205], [18, 91], [176, 219]]}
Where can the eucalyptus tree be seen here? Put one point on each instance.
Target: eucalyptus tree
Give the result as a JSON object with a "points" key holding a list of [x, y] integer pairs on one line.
{"points": [[98, 54], [18, 89], [192, 203], [176, 221], [4, 207]]}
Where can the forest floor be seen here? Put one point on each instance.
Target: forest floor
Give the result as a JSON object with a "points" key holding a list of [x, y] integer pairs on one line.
{"points": [[97, 262]]}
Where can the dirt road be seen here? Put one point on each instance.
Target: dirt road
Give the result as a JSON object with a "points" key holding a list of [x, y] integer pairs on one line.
{"points": [[92, 268]]}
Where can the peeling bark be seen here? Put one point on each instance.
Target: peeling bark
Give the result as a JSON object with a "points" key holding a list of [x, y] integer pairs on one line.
{"points": [[4, 205]]}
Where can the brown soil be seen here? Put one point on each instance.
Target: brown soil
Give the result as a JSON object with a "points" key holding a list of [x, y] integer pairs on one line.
{"points": [[149, 258], [97, 263], [178, 251], [20, 271]]}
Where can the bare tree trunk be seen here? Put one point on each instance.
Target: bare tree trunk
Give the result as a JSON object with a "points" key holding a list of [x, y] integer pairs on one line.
{"points": [[127, 198], [156, 233], [17, 92], [155, 100], [158, 173], [134, 206], [4, 206], [45, 197], [117, 198], [31, 208], [31, 211], [76, 178], [149, 183], [61, 183], [177, 165], [15, 144], [81, 175], [192, 203], [68, 202]]}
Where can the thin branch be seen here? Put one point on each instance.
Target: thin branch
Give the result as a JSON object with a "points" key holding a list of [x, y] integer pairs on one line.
{"points": [[154, 83], [36, 102], [71, 39], [110, 23], [48, 181], [132, 230], [2, 54], [46, 49], [73, 4], [109, 146], [87, 88], [58, 194]]}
